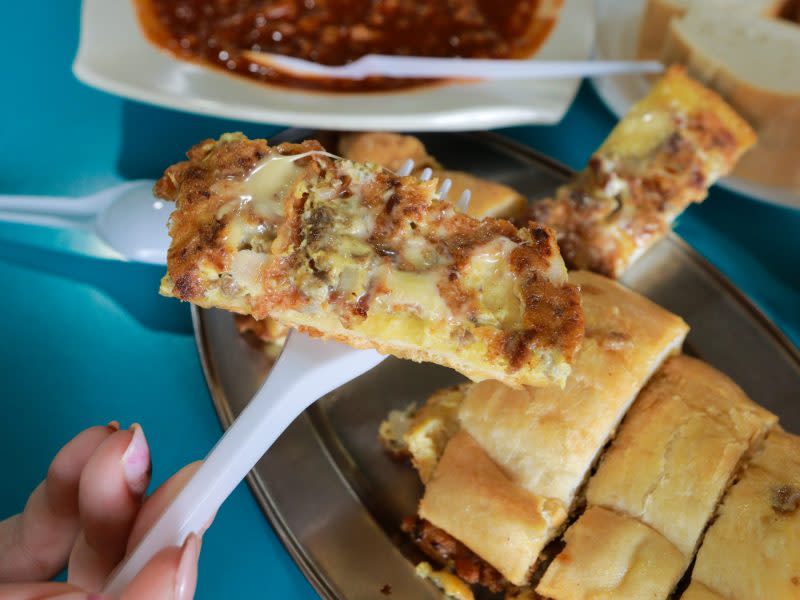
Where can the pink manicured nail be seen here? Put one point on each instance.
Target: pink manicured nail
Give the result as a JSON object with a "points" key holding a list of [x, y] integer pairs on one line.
{"points": [[186, 577], [136, 461]]}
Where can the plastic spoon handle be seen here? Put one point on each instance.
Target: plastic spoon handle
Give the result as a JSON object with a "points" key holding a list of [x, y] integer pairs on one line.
{"points": [[44, 220], [83, 206], [469, 68], [64, 206], [306, 370]]}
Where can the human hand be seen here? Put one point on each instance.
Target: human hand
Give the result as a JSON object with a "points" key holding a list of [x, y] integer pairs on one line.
{"points": [[88, 514]]}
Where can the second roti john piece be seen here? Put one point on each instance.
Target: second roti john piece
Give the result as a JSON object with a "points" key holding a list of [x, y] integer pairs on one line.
{"points": [[663, 155]]}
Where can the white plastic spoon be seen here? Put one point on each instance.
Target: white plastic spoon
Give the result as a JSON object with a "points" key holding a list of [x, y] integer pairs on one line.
{"points": [[127, 217]]}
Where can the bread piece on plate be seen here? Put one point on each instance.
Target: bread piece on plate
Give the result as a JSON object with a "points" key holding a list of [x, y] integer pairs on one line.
{"points": [[697, 591], [391, 150], [751, 550], [472, 498], [678, 449], [422, 433], [658, 15], [753, 64], [675, 454], [351, 252], [608, 556], [544, 441], [662, 156], [430, 429]]}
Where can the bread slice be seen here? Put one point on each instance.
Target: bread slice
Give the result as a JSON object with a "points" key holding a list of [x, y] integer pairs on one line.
{"points": [[543, 442], [351, 252], [676, 453], [472, 498], [752, 63], [658, 15], [391, 150], [662, 156], [608, 556], [751, 549]]}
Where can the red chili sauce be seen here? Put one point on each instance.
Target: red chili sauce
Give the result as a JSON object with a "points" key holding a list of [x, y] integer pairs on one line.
{"points": [[335, 32]]}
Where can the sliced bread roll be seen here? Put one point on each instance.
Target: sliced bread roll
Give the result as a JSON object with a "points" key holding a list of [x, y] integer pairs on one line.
{"points": [[752, 63], [659, 13]]}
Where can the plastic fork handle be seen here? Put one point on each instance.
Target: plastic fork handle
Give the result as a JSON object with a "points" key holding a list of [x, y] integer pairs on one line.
{"points": [[467, 68], [306, 370], [401, 66]]}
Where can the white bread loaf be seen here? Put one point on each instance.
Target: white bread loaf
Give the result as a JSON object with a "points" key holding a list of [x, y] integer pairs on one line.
{"points": [[753, 64], [659, 13]]}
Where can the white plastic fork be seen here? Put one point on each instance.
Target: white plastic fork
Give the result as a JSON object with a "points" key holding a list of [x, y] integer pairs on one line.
{"points": [[306, 370], [381, 65], [462, 204]]}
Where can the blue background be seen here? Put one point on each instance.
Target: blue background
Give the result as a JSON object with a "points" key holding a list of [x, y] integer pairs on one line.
{"points": [[87, 340]]}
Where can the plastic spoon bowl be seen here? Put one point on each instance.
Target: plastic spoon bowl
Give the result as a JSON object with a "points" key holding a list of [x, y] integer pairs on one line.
{"points": [[127, 217]]}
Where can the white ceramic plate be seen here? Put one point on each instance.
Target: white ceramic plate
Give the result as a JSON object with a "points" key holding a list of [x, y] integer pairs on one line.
{"points": [[616, 38], [114, 56]]}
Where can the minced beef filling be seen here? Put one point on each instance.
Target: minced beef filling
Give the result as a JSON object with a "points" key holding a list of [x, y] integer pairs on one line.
{"points": [[445, 549]]}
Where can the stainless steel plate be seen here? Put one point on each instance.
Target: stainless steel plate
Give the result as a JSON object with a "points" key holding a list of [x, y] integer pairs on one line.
{"points": [[332, 494]]}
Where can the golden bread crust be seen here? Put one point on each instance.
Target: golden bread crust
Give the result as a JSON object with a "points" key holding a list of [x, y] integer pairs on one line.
{"points": [[612, 557], [678, 449], [750, 551], [473, 500], [547, 438]]}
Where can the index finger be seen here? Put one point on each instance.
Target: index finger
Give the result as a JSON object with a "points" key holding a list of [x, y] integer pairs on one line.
{"points": [[35, 544]]}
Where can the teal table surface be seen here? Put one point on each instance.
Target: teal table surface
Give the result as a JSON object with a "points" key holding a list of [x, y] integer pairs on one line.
{"points": [[87, 340]]}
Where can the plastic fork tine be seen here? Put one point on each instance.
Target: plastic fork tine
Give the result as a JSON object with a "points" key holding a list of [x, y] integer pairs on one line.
{"points": [[445, 188], [463, 201], [406, 169]]}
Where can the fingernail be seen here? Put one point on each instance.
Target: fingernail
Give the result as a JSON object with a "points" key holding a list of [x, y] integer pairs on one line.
{"points": [[186, 577], [136, 461], [113, 426]]}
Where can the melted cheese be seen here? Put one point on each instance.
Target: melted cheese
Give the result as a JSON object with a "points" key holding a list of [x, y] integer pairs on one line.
{"points": [[417, 291], [268, 183], [452, 586], [488, 273], [246, 268], [639, 133]]}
